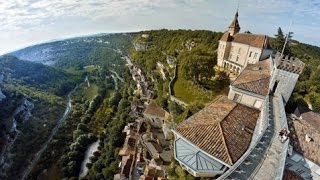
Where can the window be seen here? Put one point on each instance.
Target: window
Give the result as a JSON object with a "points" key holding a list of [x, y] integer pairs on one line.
{"points": [[257, 104], [236, 97], [230, 56], [255, 55], [237, 58], [250, 54]]}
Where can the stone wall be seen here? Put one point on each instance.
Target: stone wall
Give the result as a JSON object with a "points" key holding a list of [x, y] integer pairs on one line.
{"points": [[286, 82]]}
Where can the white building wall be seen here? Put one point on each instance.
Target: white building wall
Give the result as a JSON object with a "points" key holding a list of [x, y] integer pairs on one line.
{"points": [[253, 55], [265, 54], [238, 54], [246, 98], [223, 52], [286, 83], [155, 121]]}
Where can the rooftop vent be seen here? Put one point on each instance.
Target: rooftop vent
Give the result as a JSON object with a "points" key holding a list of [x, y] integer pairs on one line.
{"points": [[257, 68], [308, 138]]}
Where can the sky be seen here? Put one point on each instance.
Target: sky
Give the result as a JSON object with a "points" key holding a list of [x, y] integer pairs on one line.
{"points": [[27, 22]]}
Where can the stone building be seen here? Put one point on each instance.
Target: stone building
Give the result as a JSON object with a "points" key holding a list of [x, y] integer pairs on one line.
{"points": [[155, 114], [236, 50]]}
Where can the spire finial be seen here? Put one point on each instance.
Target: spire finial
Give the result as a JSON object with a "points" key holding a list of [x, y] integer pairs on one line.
{"points": [[238, 7]]}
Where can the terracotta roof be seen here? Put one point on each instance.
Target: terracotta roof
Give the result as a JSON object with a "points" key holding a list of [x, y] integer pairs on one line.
{"points": [[255, 78], [222, 129], [309, 124], [254, 40], [154, 110]]}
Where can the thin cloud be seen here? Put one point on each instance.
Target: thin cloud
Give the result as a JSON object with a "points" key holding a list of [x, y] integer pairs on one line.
{"points": [[28, 21]]}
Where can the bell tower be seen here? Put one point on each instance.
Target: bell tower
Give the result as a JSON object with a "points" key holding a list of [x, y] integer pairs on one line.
{"points": [[234, 26]]}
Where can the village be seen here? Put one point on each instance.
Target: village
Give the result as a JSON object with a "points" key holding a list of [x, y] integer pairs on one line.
{"points": [[147, 150]]}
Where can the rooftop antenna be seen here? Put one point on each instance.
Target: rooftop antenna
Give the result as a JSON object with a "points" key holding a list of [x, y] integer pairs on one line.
{"points": [[287, 37], [238, 6]]}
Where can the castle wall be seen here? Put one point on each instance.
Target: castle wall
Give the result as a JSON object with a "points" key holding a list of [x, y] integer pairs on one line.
{"points": [[265, 54], [286, 83]]}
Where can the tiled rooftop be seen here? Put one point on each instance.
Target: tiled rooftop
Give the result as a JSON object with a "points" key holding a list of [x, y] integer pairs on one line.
{"points": [[222, 129], [154, 110], [309, 124], [254, 40], [255, 78]]}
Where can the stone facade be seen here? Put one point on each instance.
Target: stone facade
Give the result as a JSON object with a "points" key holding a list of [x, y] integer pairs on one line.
{"points": [[285, 75]]}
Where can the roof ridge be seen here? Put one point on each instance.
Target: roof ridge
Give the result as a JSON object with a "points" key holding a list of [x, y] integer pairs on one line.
{"points": [[251, 81], [223, 138], [251, 34], [190, 118], [224, 142]]}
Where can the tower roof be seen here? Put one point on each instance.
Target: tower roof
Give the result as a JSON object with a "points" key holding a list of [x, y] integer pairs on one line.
{"points": [[235, 22]]}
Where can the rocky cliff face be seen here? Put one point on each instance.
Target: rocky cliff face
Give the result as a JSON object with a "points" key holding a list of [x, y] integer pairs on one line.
{"points": [[21, 112], [2, 96]]}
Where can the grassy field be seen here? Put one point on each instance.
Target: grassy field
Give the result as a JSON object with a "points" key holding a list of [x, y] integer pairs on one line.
{"points": [[189, 92], [90, 92]]}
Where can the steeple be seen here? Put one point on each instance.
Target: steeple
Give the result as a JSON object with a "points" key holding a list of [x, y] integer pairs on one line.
{"points": [[234, 26]]}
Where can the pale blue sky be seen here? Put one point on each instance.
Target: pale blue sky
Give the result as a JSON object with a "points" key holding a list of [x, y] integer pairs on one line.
{"points": [[26, 22]]}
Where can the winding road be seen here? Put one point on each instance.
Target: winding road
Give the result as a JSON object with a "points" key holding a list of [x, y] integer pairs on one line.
{"points": [[45, 145]]}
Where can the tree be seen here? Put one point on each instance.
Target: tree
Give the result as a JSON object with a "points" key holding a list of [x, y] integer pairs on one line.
{"points": [[279, 41], [197, 65], [223, 79]]}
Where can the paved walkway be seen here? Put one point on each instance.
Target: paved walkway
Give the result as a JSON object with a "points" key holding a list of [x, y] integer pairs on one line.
{"points": [[270, 165], [252, 161]]}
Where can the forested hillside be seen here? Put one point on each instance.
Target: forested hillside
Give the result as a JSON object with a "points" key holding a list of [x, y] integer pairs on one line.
{"points": [[32, 106], [44, 78], [74, 52], [36, 99]]}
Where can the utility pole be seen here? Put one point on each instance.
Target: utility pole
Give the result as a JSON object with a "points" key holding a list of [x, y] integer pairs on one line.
{"points": [[288, 36]]}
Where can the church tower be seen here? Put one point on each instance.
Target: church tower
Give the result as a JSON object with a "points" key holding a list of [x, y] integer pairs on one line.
{"points": [[234, 26]]}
